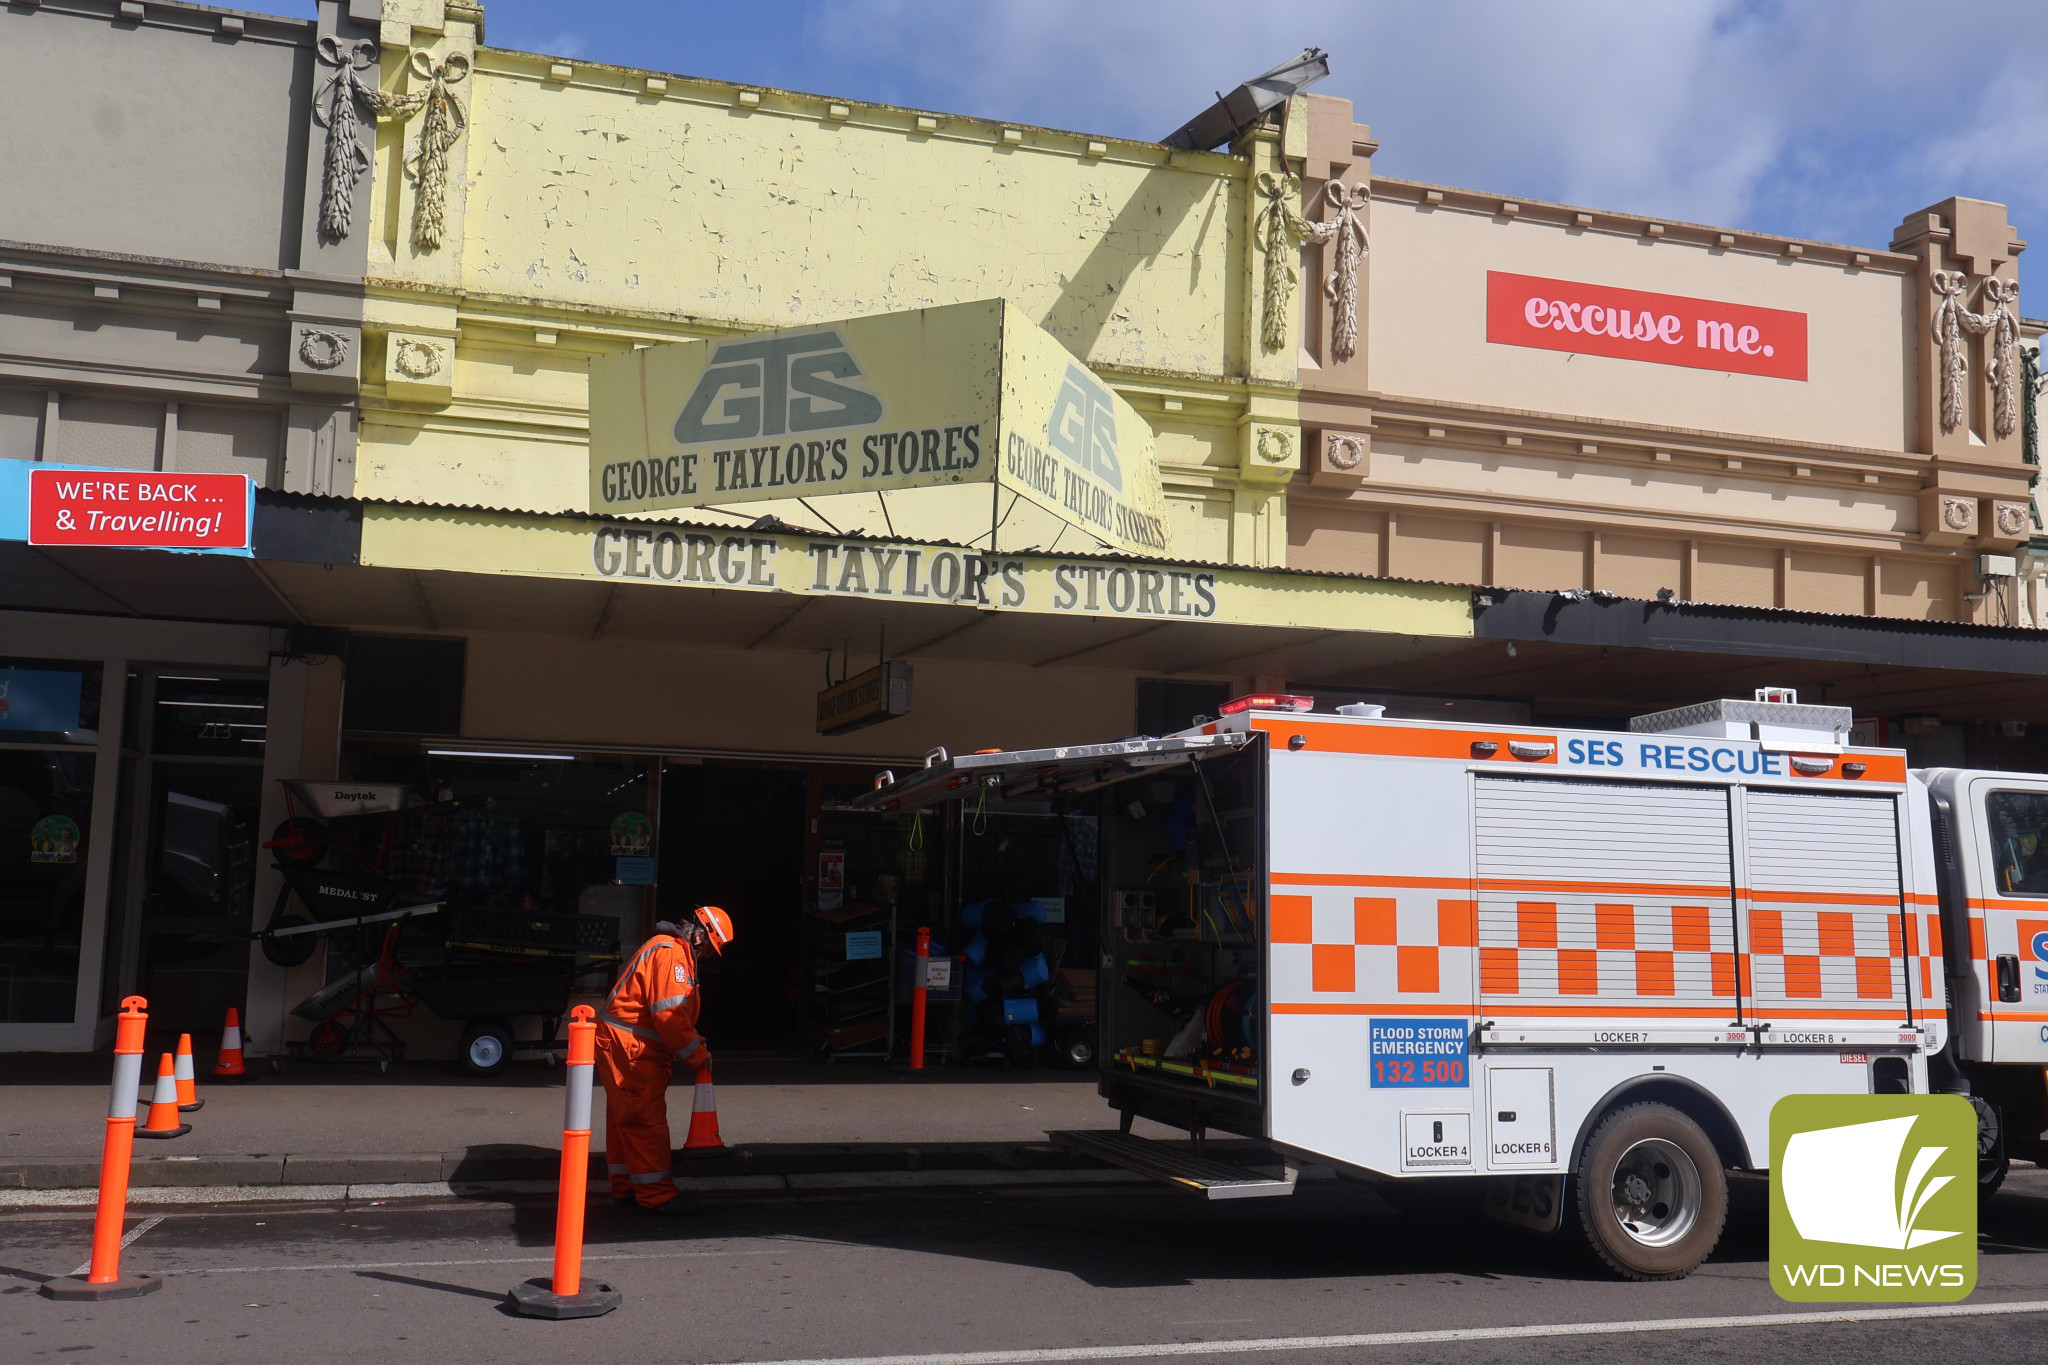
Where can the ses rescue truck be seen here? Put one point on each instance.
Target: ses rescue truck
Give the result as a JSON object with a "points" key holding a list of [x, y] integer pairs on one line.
{"points": [[1584, 964]]}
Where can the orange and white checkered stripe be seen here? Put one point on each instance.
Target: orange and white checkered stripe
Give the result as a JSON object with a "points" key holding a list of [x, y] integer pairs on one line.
{"points": [[1837, 955], [1357, 940], [1566, 949]]}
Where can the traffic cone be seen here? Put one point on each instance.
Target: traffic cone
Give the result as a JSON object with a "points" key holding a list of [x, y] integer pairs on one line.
{"points": [[188, 1083], [704, 1118], [230, 1063], [163, 1105]]}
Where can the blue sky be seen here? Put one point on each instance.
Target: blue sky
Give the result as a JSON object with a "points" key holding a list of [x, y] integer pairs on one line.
{"points": [[1827, 119]]}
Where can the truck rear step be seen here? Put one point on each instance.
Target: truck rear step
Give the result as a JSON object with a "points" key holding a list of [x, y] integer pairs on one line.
{"points": [[1210, 1178]]}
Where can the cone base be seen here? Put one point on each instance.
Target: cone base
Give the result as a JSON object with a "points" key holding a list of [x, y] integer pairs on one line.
{"points": [[192, 1108], [536, 1298], [78, 1289], [236, 1075], [704, 1148], [179, 1131]]}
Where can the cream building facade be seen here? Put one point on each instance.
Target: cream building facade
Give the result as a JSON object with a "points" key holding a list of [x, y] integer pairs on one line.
{"points": [[591, 208], [1443, 450]]}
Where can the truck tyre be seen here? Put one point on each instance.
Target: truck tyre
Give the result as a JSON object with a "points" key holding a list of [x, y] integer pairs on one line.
{"points": [[486, 1048], [1652, 1194], [1992, 1162]]}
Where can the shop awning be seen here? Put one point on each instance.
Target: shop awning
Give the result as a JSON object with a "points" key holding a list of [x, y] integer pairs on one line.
{"points": [[384, 567]]}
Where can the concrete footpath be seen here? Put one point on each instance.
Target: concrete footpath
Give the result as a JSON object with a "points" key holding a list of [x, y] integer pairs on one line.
{"points": [[422, 1124]]}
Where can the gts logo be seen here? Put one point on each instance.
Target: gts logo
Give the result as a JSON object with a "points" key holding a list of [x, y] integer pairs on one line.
{"points": [[773, 385]]}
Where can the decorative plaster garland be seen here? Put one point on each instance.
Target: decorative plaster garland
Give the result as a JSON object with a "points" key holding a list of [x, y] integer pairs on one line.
{"points": [[1280, 228], [1951, 320], [1347, 230], [440, 127], [1277, 230], [344, 96]]}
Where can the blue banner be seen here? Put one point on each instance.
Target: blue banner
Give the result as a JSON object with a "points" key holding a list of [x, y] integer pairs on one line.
{"points": [[1419, 1053]]}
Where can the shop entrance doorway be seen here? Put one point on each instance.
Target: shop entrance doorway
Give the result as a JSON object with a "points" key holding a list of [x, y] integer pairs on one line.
{"points": [[733, 837], [195, 772]]}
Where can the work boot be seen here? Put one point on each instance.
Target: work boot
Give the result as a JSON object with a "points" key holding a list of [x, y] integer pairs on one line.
{"points": [[681, 1206]]}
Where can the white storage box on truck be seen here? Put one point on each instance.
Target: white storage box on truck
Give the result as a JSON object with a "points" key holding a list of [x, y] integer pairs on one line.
{"points": [[1417, 950]]}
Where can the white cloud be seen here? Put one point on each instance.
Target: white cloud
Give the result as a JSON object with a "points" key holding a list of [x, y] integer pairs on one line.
{"points": [[1825, 120]]}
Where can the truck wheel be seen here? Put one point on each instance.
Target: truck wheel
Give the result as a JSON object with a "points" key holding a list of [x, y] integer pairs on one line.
{"points": [[1652, 1194], [486, 1048], [1992, 1162]]}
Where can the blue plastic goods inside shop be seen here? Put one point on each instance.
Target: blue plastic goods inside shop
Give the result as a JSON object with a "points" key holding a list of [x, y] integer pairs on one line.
{"points": [[516, 881]]}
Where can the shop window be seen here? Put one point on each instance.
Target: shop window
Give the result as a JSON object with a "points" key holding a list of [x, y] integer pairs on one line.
{"points": [[49, 701], [1165, 706], [411, 684], [46, 793], [512, 833]]}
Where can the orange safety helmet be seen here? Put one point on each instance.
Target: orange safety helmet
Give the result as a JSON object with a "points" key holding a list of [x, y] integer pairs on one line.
{"points": [[717, 926]]}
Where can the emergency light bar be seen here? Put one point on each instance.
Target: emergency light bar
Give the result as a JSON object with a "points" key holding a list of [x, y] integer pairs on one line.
{"points": [[1266, 701]]}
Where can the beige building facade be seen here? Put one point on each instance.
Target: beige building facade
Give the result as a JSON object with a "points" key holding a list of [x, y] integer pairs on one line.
{"points": [[1450, 445]]}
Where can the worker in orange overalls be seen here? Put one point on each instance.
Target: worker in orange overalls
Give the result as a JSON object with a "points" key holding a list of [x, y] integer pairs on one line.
{"points": [[649, 1026]]}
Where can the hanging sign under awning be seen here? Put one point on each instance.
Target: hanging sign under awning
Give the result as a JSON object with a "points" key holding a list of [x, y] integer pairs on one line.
{"points": [[882, 693], [967, 394]]}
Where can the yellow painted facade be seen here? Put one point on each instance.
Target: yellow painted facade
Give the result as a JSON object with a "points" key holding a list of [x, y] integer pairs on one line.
{"points": [[591, 208]]}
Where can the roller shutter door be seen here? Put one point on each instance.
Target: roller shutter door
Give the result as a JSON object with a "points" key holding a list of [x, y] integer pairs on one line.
{"points": [[1604, 900], [1824, 928]]}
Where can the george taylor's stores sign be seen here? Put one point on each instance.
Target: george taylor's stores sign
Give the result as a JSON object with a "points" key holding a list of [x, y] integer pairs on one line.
{"points": [[724, 559], [950, 397]]}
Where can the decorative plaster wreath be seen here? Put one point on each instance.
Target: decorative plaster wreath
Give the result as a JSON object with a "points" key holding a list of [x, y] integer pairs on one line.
{"points": [[2012, 520], [1275, 446], [321, 349], [416, 359], [1344, 452], [1958, 514]]}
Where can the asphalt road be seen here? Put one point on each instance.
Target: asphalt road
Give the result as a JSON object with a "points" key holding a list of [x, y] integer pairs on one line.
{"points": [[931, 1273]]}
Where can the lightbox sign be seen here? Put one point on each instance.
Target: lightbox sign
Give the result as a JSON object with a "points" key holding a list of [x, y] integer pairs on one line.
{"points": [[1632, 324], [953, 397]]}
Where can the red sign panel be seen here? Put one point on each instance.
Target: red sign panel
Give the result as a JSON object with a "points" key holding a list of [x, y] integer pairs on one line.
{"points": [[1631, 324], [148, 511]]}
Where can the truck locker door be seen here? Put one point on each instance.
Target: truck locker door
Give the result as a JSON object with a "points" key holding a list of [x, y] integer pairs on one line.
{"points": [[1826, 936], [1521, 1117], [2012, 899], [1602, 902]]}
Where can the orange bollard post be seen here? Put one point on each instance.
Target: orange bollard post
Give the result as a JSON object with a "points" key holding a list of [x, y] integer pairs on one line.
{"points": [[104, 1280], [917, 997], [564, 1296], [188, 1080]]}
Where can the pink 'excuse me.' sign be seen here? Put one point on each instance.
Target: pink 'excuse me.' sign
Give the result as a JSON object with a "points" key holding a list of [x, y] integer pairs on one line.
{"points": [[1633, 324]]}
